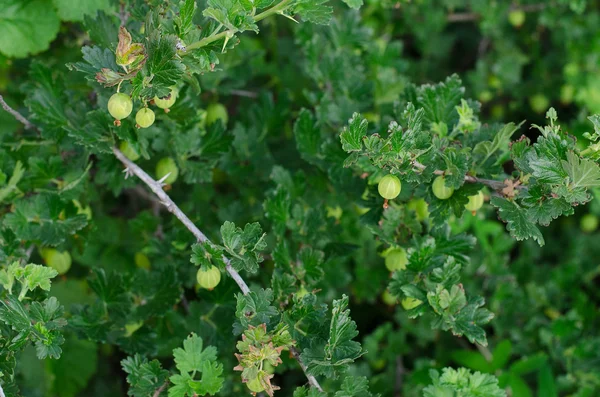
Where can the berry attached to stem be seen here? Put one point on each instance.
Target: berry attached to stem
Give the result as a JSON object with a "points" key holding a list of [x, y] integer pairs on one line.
{"points": [[389, 187], [216, 111], [58, 260], [144, 118], [120, 106], [440, 190], [475, 202], [210, 278], [166, 102], [396, 259], [166, 166]]}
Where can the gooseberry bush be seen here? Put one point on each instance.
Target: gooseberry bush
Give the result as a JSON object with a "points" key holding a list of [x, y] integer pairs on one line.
{"points": [[299, 198]]}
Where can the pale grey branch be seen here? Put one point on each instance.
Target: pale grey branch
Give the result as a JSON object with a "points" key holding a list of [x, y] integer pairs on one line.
{"points": [[16, 114], [164, 198], [311, 379]]}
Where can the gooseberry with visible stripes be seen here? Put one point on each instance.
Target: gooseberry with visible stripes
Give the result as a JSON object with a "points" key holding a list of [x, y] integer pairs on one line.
{"points": [[210, 278], [389, 187], [440, 190]]}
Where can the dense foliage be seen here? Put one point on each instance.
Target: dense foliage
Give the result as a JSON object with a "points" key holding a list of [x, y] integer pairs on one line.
{"points": [[299, 198]]}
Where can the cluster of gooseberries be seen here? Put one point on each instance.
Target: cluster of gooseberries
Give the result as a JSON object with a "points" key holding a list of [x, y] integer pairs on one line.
{"points": [[389, 188], [396, 260], [120, 106]]}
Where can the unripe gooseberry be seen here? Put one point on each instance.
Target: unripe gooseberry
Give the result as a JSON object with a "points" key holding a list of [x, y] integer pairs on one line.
{"points": [[410, 303], [120, 106], [567, 93], [388, 298], [389, 187], [57, 260], [166, 166], [216, 111], [396, 259], [440, 190], [420, 207], [475, 202], [129, 151], [144, 118], [166, 102], [210, 278], [141, 260], [516, 18], [589, 223], [255, 386], [539, 103]]}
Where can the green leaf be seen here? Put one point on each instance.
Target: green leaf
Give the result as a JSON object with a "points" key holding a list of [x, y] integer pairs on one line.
{"points": [[277, 208], [97, 60], [144, 377], [440, 101], [356, 4], [304, 391], [193, 358], [461, 316], [46, 100], [233, 14], [75, 10], [500, 142], [184, 21], [27, 27], [243, 245], [314, 11], [162, 70], [34, 276], [254, 309], [583, 173], [11, 186], [308, 136], [502, 354], [354, 386], [352, 136], [464, 383], [77, 353], [472, 359], [206, 255], [334, 355], [518, 223], [545, 381], [39, 218]]}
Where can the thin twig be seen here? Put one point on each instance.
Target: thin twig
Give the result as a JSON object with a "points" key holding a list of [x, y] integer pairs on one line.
{"points": [[496, 185], [185, 304], [164, 198], [400, 371], [28, 125], [29, 251], [123, 14], [311, 379], [474, 16], [245, 93], [160, 389], [485, 352]]}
